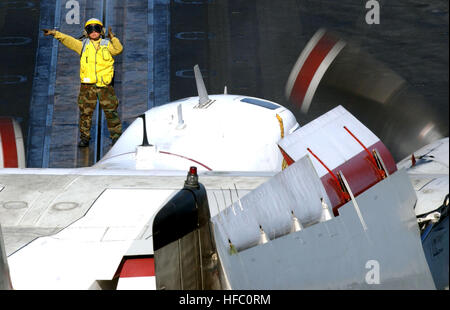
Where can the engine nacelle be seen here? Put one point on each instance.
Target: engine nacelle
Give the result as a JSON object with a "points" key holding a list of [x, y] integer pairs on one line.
{"points": [[184, 250]]}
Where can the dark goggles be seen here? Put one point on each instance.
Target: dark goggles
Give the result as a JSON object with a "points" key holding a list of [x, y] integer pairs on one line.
{"points": [[93, 27]]}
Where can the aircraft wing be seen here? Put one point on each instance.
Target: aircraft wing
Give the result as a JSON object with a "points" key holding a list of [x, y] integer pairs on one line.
{"points": [[104, 228], [76, 229], [339, 145], [372, 244]]}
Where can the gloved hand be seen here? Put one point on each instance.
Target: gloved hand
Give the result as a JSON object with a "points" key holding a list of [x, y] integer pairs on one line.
{"points": [[49, 32], [111, 35]]}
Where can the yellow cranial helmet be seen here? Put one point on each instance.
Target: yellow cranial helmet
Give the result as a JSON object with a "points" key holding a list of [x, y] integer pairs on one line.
{"points": [[93, 21]]}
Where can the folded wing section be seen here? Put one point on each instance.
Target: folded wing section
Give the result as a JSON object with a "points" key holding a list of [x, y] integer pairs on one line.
{"points": [[338, 144], [293, 198]]}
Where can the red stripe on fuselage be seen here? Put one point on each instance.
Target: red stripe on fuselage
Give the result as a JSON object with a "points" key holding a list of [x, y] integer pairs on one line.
{"points": [[193, 160], [309, 68], [137, 267], [9, 146]]}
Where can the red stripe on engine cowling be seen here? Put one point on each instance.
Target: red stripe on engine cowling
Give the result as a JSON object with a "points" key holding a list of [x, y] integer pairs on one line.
{"points": [[309, 68], [9, 146], [137, 267], [360, 174]]}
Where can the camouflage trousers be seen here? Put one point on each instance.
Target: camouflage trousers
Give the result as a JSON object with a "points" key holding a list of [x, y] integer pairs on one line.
{"points": [[87, 101]]}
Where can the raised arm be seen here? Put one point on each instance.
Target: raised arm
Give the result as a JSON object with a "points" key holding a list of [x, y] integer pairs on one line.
{"points": [[68, 41], [115, 48]]}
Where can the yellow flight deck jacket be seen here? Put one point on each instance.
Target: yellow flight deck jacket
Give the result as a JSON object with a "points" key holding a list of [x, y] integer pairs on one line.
{"points": [[96, 61]]}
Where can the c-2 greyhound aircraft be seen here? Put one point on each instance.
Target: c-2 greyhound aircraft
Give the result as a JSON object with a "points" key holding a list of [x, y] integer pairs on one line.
{"points": [[266, 204]]}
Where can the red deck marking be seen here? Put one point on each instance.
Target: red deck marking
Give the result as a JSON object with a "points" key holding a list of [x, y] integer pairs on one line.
{"points": [[309, 68], [9, 146]]}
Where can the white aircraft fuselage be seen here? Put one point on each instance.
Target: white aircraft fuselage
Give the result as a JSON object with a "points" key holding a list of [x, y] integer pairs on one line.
{"points": [[232, 133]]}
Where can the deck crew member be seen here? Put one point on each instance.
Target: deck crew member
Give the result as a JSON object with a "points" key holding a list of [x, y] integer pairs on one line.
{"points": [[96, 75]]}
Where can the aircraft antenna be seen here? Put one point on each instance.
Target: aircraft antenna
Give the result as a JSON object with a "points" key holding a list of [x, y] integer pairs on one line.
{"points": [[144, 138], [181, 124], [202, 93]]}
